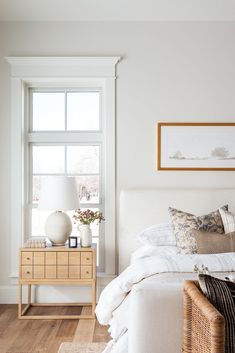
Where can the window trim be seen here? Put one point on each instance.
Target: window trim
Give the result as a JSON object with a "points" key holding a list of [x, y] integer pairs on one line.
{"points": [[27, 71]]}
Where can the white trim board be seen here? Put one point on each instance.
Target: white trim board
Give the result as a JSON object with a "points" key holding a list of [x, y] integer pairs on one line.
{"points": [[93, 67]]}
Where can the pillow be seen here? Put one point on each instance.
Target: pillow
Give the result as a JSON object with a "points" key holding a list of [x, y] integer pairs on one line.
{"points": [[228, 219], [214, 243], [222, 295], [158, 235], [184, 222], [150, 250]]}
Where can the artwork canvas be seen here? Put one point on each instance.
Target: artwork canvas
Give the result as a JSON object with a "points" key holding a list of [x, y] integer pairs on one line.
{"points": [[196, 146]]}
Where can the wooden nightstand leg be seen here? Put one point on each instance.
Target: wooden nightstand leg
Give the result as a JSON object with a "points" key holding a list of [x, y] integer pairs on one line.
{"points": [[29, 294], [93, 298], [19, 301]]}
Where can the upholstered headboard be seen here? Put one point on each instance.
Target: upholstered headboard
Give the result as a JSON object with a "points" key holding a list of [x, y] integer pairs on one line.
{"points": [[142, 208]]}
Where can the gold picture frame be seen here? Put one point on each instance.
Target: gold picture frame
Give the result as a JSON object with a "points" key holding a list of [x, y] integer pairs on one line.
{"points": [[196, 146]]}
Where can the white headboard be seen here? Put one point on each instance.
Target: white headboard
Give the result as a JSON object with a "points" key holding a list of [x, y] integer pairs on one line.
{"points": [[142, 208]]}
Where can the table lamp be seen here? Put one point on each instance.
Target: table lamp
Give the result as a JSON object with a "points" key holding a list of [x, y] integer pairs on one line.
{"points": [[58, 193]]}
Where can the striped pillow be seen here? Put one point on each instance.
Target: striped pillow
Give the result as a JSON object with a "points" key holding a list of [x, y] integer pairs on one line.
{"points": [[222, 295], [228, 219]]}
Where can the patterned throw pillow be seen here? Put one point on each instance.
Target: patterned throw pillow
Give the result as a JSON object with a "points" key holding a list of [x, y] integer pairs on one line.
{"points": [[228, 219], [222, 295], [184, 222]]}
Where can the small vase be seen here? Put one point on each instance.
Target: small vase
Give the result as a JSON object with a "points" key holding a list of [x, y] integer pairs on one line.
{"points": [[85, 235]]}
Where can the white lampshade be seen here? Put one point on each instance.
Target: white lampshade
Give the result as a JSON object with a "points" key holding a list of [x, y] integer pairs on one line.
{"points": [[58, 193]]}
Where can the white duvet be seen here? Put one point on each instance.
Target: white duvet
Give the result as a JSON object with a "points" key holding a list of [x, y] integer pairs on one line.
{"points": [[109, 310]]}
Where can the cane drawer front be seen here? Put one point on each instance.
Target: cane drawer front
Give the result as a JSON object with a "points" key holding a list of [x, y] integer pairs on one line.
{"points": [[56, 264], [38, 258], [62, 272], [74, 272], [38, 272], [86, 258], [74, 258], [26, 272], [62, 258], [51, 258], [86, 272], [27, 258], [50, 272]]}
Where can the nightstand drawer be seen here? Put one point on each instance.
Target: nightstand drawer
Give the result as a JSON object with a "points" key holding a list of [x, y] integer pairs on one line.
{"points": [[50, 272], [62, 272], [27, 257], [74, 272], [38, 258], [38, 272], [74, 258], [26, 272], [62, 258], [51, 258], [86, 258], [86, 272]]}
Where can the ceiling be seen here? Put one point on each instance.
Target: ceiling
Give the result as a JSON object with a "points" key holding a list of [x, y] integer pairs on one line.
{"points": [[117, 10]]}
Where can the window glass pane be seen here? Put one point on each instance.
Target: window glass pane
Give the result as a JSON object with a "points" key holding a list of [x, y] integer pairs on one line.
{"points": [[36, 188], [83, 159], [48, 111], [88, 188], [83, 110], [48, 159]]}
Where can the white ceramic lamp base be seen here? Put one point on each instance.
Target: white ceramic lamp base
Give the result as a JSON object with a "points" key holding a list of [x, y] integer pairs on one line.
{"points": [[58, 228]]}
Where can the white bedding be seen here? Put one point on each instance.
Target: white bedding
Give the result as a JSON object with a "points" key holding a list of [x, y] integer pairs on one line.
{"points": [[109, 309]]}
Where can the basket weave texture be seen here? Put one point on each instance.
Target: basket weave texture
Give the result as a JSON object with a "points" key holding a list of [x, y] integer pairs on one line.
{"points": [[204, 326]]}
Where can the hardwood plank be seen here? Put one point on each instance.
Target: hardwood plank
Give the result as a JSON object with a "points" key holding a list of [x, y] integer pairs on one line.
{"points": [[11, 332], [27, 339], [101, 333], [45, 336], [6, 318], [67, 329], [48, 336], [85, 328]]}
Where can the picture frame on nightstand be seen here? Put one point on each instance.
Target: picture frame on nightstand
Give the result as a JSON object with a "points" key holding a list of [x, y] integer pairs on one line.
{"points": [[72, 242]]}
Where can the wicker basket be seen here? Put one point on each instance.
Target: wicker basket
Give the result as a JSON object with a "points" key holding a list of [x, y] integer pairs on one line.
{"points": [[204, 326]]}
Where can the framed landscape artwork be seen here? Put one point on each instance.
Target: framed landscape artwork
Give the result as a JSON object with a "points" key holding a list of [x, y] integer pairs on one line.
{"points": [[196, 146]]}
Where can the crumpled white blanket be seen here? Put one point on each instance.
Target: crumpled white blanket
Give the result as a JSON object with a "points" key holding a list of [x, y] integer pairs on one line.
{"points": [[116, 291]]}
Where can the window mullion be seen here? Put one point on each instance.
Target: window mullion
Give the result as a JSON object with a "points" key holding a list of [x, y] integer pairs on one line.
{"points": [[64, 137], [65, 111]]}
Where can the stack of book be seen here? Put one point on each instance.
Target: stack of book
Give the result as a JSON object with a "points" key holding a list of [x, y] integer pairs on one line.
{"points": [[35, 242]]}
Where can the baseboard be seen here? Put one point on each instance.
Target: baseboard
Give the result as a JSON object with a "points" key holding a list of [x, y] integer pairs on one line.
{"points": [[58, 293]]}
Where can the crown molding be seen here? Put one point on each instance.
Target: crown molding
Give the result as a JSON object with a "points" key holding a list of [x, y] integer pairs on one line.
{"points": [[63, 66]]}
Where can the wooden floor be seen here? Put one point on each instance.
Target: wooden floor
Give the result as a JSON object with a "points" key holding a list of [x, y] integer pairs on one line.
{"points": [[45, 336]]}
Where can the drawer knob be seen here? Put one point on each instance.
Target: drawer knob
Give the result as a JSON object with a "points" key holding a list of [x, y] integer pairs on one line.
{"points": [[28, 258], [87, 258], [87, 272], [28, 272]]}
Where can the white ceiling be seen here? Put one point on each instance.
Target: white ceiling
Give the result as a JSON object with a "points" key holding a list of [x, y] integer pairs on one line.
{"points": [[117, 10]]}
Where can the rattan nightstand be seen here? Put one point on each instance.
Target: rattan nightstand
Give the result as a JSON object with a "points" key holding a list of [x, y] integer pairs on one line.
{"points": [[56, 265]]}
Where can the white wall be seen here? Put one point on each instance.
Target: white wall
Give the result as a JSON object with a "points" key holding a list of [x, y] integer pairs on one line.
{"points": [[169, 72]]}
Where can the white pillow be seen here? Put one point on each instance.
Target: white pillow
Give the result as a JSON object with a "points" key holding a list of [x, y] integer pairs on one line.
{"points": [[228, 219], [158, 235], [150, 250]]}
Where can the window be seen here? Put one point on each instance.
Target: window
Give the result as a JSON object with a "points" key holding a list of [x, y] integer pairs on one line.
{"points": [[74, 86], [76, 151]]}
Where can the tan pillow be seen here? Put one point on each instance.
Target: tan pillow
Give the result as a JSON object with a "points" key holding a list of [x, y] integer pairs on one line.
{"points": [[214, 243]]}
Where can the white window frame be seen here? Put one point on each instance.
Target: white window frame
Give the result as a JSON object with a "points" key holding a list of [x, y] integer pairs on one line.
{"points": [[67, 71], [65, 138]]}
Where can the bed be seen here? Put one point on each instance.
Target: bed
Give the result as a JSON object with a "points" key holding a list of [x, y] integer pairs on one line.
{"points": [[144, 304]]}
